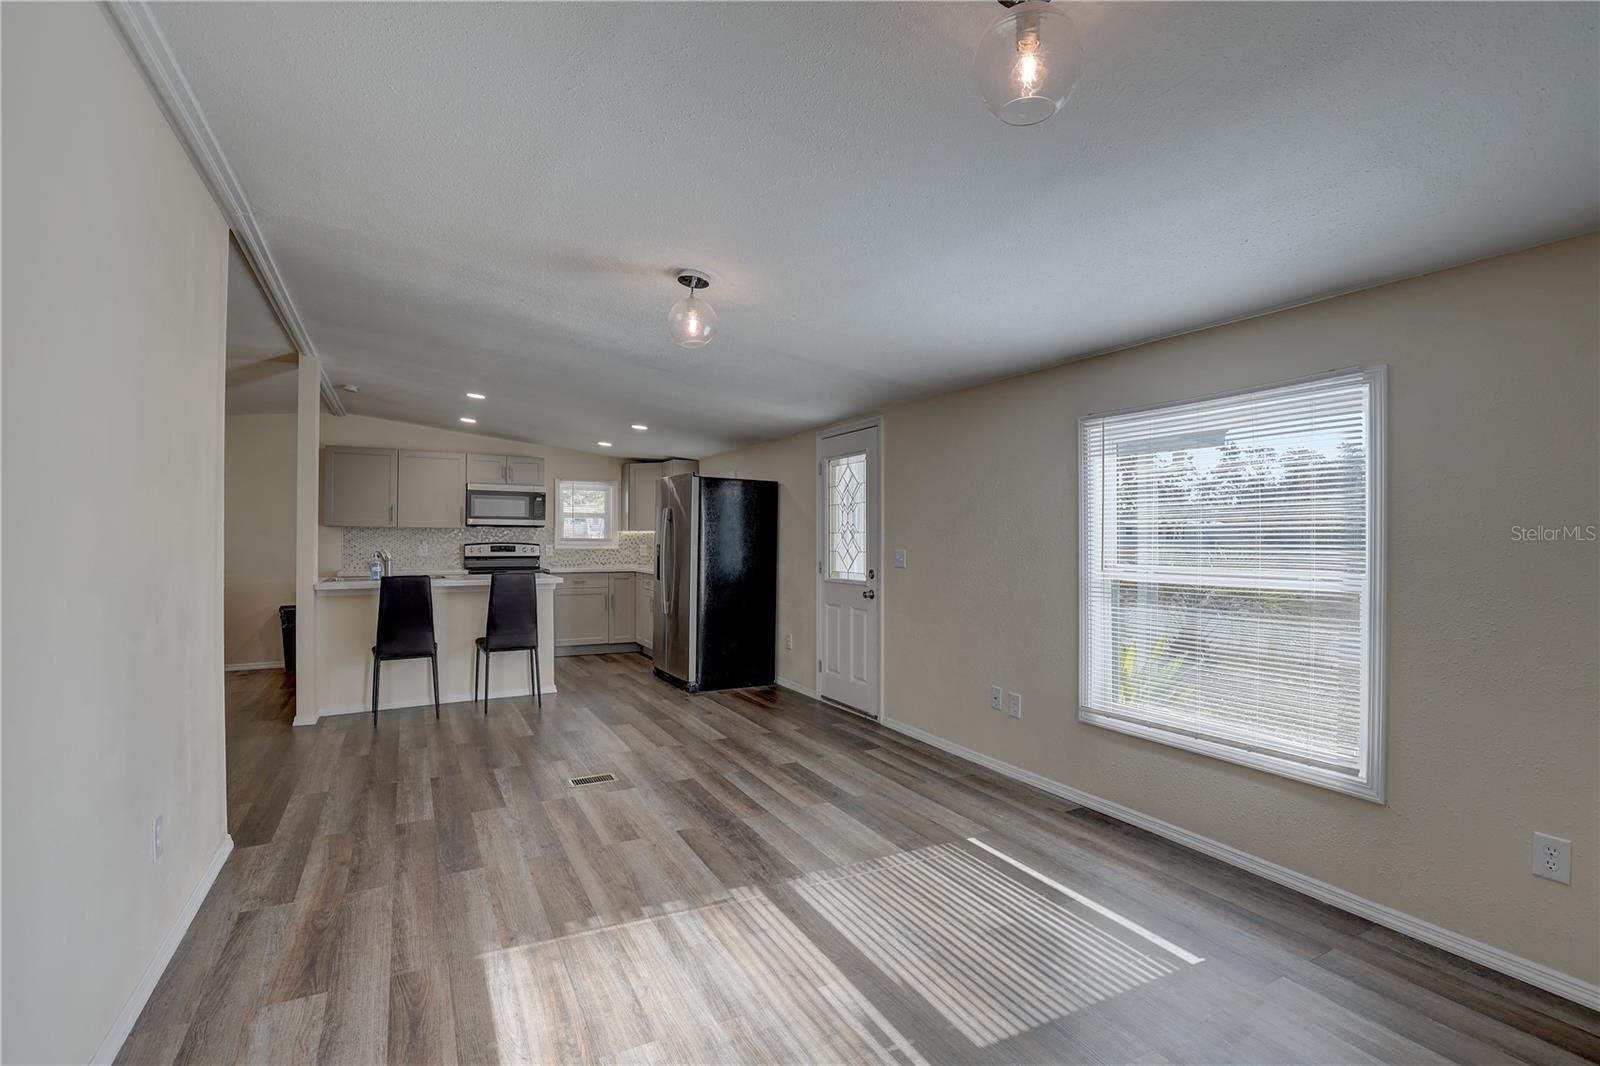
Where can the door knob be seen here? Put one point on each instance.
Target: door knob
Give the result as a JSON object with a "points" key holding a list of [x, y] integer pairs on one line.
{"points": [[868, 594]]}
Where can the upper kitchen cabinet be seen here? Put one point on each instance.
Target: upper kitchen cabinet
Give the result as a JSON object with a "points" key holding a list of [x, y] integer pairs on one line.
{"points": [[432, 490], [360, 486], [525, 470], [643, 487]]}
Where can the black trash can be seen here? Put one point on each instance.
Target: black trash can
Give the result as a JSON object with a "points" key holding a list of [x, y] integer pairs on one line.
{"points": [[286, 622]]}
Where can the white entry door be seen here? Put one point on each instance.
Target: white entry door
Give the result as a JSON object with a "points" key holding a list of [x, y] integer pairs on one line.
{"points": [[849, 576]]}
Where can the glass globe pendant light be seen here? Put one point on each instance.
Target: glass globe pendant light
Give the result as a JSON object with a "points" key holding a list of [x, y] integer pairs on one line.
{"points": [[692, 321], [1028, 62]]}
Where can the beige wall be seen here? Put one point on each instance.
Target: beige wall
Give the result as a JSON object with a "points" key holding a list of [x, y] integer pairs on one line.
{"points": [[258, 545], [359, 431], [1493, 726], [792, 463], [115, 263]]}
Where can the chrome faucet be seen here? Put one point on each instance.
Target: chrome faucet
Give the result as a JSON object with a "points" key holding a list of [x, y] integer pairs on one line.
{"points": [[386, 559]]}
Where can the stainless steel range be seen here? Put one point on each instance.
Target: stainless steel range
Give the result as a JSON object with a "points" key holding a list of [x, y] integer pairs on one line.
{"points": [[499, 557]]}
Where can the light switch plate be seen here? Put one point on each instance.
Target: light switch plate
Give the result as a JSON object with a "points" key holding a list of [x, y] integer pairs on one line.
{"points": [[1016, 705], [899, 558], [997, 698]]}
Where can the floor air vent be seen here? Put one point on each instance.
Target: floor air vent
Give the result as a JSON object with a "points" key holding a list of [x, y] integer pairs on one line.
{"points": [[592, 779]]}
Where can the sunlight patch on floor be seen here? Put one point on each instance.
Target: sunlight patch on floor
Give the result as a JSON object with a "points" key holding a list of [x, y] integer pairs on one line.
{"points": [[730, 981], [992, 955]]}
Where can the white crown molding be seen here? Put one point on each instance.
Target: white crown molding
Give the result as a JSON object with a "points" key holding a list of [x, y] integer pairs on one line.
{"points": [[1497, 959], [136, 23], [120, 1029]]}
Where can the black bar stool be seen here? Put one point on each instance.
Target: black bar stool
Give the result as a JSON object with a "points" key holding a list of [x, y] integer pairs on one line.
{"points": [[512, 625], [405, 629]]}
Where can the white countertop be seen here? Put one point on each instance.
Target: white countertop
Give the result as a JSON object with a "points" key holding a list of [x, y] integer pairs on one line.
{"points": [[442, 579]]}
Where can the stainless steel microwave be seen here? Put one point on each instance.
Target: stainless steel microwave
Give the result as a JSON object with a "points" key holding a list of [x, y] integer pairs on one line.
{"points": [[504, 505]]}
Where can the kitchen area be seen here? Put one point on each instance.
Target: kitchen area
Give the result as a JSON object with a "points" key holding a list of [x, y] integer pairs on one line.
{"points": [[460, 517]]}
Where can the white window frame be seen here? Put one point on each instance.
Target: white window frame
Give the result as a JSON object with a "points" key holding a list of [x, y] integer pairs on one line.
{"points": [[611, 489], [1370, 784]]}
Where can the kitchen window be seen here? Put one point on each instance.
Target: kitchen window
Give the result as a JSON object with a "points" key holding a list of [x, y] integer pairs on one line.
{"points": [[1232, 578], [586, 514]]}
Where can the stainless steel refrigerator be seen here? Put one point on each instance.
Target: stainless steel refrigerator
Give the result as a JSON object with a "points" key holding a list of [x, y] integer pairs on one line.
{"points": [[716, 582]]}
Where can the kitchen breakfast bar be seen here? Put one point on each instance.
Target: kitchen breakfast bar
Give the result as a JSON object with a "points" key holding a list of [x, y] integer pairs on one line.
{"points": [[347, 618]]}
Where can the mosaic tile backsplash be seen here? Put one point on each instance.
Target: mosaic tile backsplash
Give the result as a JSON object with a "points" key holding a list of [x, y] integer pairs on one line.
{"points": [[435, 550]]}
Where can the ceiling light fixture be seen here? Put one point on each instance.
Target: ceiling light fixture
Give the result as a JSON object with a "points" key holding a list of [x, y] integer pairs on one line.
{"points": [[469, 421], [1028, 62], [603, 443], [691, 321], [476, 396], [640, 428]]}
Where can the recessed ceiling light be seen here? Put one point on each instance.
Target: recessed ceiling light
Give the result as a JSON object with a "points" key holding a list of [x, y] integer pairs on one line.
{"points": [[476, 396], [469, 421], [640, 428], [603, 443]]}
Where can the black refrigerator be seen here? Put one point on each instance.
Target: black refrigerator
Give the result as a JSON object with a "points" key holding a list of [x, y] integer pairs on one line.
{"points": [[716, 582]]}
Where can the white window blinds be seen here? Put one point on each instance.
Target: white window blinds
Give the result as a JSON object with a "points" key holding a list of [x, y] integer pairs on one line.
{"points": [[1230, 573]]}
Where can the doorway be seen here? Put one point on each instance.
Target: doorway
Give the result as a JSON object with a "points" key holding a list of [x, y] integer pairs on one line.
{"points": [[850, 568]]}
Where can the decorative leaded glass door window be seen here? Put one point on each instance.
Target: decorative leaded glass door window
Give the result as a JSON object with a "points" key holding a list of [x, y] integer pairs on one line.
{"points": [[847, 517]]}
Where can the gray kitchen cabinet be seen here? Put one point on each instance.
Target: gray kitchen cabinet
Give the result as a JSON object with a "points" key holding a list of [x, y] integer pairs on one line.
{"points": [[624, 609], [642, 494], [583, 610], [432, 492], [603, 608], [644, 610], [359, 486], [525, 470], [486, 469], [643, 488]]}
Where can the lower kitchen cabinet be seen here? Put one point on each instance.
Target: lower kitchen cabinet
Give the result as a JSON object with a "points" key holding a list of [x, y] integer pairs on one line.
{"points": [[598, 609], [645, 598], [583, 610], [624, 608]]}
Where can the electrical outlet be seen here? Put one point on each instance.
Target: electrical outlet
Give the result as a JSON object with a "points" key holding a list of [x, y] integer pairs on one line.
{"points": [[788, 641], [996, 697], [161, 825], [1552, 858], [899, 558], [423, 548], [1016, 705]]}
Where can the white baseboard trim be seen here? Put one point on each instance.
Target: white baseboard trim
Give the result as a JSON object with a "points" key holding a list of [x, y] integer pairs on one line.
{"points": [[792, 687], [277, 665], [1497, 959], [147, 984]]}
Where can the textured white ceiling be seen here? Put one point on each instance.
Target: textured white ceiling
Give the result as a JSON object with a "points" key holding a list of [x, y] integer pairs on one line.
{"points": [[494, 197], [261, 357]]}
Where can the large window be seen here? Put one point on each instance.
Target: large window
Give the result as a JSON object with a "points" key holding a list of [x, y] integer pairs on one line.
{"points": [[586, 514], [1232, 578]]}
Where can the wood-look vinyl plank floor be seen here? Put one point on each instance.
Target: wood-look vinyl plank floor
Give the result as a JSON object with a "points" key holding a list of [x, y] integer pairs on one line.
{"points": [[766, 880]]}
